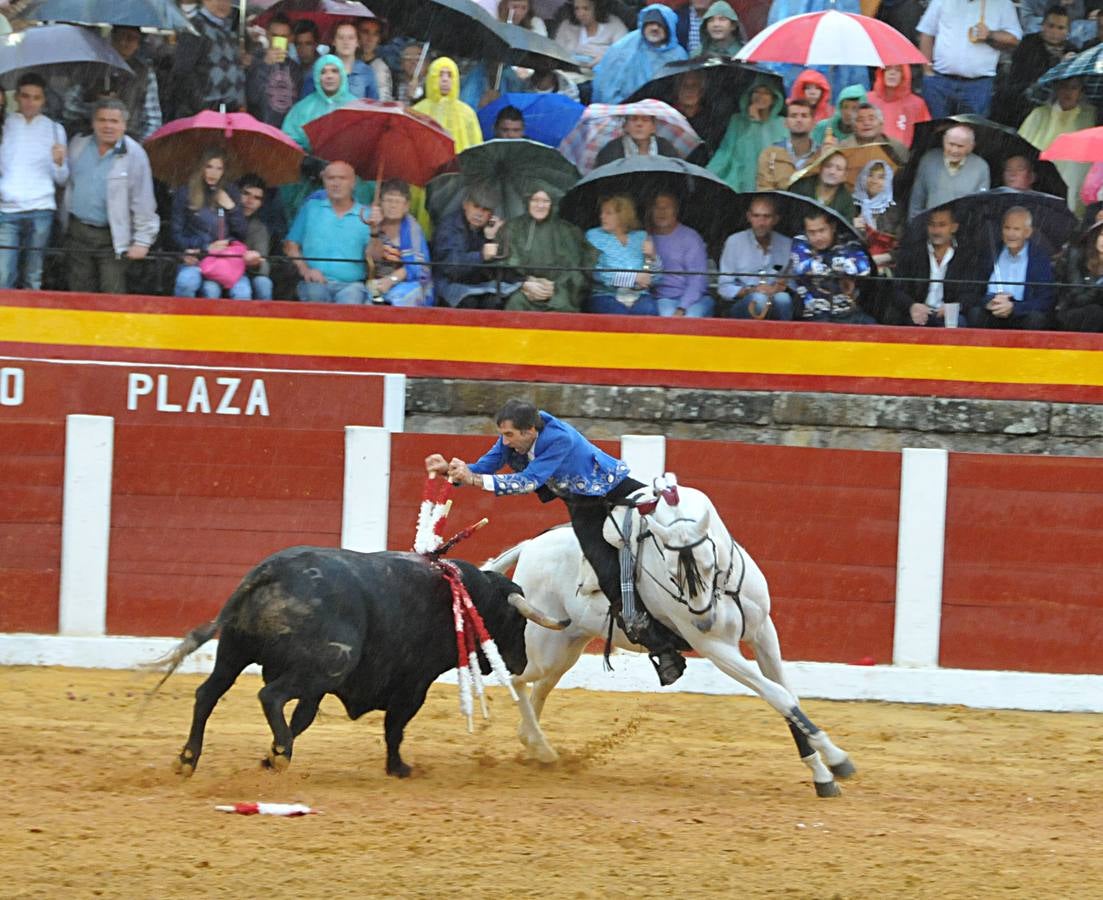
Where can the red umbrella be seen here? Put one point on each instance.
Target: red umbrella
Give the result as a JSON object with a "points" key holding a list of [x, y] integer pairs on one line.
{"points": [[326, 14], [176, 148], [831, 38], [1084, 146], [374, 137]]}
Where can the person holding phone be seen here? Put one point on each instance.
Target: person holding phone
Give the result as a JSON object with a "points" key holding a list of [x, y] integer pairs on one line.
{"points": [[273, 81]]}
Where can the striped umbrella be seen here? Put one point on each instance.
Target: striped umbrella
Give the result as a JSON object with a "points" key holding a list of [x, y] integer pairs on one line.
{"points": [[602, 122], [831, 38]]}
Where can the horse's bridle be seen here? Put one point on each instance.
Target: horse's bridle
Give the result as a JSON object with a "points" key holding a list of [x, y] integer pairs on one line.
{"points": [[684, 564]]}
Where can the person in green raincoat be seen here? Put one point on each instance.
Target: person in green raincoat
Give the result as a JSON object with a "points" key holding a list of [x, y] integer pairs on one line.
{"points": [[535, 244], [331, 91], [756, 126], [720, 35], [842, 122]]}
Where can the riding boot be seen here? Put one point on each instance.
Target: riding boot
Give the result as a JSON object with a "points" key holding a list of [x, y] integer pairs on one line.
{"points": [[662, 643]]}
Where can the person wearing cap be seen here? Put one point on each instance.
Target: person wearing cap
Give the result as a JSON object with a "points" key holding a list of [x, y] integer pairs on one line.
{"points": [[465, 243], [637, 57]]}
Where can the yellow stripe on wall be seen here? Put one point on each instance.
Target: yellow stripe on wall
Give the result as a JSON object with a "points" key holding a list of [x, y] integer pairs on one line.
{"points": [[550, 348]]}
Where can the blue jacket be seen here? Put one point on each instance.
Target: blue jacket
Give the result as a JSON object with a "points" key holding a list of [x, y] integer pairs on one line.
{"points": [[562, 460], [1036, 297]]}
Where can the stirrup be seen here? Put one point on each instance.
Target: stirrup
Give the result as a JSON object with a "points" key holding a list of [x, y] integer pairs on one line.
{"points": [[669, 664]]}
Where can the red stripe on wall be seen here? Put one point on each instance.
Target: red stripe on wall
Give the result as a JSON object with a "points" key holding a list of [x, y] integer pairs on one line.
{"points": [[194, 509], [1023, 584], [31, 470], [822, 525]]}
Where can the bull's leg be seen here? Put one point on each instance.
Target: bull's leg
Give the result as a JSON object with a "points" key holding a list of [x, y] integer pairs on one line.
{"points": [[227, 667], [274, 696], [727, 658], [305, 711], [399, 712], [767, 652]]}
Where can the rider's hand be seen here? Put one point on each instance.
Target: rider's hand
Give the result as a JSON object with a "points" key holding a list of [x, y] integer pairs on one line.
{"points": [[435, 464]]}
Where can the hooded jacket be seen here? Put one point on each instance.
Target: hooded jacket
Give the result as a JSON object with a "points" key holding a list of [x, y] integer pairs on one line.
{"points": [[316, 104], [632, 62], [708, 46], [458, 119], [902, 109], [823, 109], [736, 159], [835, 123]]}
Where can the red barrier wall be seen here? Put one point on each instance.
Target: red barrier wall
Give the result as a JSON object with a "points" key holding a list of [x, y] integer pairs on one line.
{"points": [[822, 526], [31, 470], [193, 509], [1023, 583]]}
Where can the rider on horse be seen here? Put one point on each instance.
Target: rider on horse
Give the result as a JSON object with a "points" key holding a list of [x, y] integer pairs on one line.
{"points": [[552, 459]]}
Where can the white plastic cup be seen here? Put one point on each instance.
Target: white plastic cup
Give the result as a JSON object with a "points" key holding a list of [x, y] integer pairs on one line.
{"points": [[951, 312]]}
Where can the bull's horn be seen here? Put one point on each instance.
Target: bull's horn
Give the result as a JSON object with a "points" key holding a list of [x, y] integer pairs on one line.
{"points": [[530, 612]]}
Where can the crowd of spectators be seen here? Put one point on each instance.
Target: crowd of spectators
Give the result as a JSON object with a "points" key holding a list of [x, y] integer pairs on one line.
{"points": [[73, 172]]}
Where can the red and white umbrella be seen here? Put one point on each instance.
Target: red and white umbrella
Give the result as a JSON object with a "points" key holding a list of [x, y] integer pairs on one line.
{"points": [[831, 38]]}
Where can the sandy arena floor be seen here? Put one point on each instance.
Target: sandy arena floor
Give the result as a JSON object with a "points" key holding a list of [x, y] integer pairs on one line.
{"points": [[656, 796]]}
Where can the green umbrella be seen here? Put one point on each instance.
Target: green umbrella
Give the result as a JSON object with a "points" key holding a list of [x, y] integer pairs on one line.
{"points": [[508, 170]]}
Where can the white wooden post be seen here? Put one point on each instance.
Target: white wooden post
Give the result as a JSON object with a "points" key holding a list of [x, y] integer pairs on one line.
{"points": [[920, 553], [645, 455], [86, 524], [394, 402], [366, 500]]}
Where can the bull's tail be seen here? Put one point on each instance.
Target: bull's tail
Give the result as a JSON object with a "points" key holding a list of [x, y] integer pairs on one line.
{"points": [[170, 662], [505, 561]]}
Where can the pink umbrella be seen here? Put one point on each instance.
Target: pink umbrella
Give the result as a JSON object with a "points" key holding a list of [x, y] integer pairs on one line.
{"points": [[602, 122], [176, 148], [831, 38], [1084, 146]]}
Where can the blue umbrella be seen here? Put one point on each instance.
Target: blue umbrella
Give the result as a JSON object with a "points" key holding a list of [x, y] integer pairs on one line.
{"points": [[68, 52], [548, 117], [164, 15]]}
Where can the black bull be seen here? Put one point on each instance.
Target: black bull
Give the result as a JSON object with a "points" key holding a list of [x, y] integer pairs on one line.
{"points": [[374, 629]]}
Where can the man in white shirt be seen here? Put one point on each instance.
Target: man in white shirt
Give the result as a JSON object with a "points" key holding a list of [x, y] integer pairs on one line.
{"points": [[751, 263], [32, 167], [963, 40], [941, 262]]}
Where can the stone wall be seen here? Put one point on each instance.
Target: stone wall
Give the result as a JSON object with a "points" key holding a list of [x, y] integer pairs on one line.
{"points": [[855, 421]]}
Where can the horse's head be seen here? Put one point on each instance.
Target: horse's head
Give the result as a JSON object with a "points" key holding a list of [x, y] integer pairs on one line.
{"points": [[694, 552]]}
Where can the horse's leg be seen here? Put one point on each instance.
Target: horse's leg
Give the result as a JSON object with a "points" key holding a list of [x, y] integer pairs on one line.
{"points": [[731, 662], [556, 656], [767, 653]]}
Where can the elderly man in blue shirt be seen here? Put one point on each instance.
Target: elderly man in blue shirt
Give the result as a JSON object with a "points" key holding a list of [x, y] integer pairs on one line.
{"points": [[1020, 292], [329, 239]]}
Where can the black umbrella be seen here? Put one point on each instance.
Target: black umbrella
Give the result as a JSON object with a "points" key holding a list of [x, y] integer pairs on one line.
{"points": [[463, 28], [163, 15], [726, 81], [703, 199], [995, 144], [980, 218], [791, 210], [61, 53]]}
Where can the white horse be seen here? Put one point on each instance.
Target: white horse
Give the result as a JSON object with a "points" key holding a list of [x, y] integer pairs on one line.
{"points": [[695, 579]]}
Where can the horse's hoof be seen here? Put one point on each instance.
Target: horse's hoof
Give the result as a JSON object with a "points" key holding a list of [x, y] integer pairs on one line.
{"points": [[845, 769], [545, 754], [827, 789]]}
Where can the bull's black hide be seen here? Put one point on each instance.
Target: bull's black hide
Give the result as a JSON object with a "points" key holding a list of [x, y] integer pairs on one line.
{"points": [[374, 629]]}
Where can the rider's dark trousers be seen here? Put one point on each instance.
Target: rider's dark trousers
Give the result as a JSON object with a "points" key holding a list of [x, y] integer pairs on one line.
{"points": [[588, 519]]}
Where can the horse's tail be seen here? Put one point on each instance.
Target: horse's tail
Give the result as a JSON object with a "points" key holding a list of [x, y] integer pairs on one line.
{"points": [[505, 561]]}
